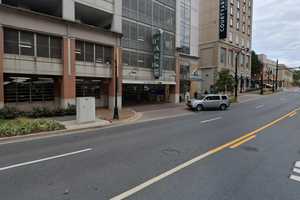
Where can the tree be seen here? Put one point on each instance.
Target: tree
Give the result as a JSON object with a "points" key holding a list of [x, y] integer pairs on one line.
{"points": [[225, 82], [297, 77], [255, 65]]}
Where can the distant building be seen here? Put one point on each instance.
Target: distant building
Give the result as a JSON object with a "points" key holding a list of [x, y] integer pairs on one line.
{"points": [[285, 76], [225, 26], [269, 69]]}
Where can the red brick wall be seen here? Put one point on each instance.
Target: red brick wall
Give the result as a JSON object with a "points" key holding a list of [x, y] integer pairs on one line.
{"points": [[68, 86]]}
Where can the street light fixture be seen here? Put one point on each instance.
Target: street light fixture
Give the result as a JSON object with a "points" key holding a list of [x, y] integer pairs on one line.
{"points": [[237, 51]]}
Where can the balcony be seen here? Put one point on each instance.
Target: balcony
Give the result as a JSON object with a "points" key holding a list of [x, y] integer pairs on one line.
{"points": [[53, 7], [93, 16]]}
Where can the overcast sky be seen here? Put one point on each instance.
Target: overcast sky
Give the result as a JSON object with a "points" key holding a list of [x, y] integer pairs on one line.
{"points": [[276, 30]]}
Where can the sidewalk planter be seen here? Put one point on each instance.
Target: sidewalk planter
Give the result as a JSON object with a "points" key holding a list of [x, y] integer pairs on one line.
{"points": [[24, 126]]}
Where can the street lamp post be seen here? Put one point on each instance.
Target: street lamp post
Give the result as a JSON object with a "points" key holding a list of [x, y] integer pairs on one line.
{"points": [[276, 79], [236, 71], [116, 109], [236, 76]]}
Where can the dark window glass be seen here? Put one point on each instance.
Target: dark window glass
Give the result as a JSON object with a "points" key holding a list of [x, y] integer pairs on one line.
{"points": [[141, 60], [55, 47], [125, 57], [79, 50], [89, 52], [42, 46], [215, 98], [11, 41], [26, 43], [224, 97], [23, 89], [108, 55], [99, 54]]}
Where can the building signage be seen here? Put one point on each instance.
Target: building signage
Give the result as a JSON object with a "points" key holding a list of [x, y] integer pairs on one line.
{"points": [[223, 18], [157, 53]]}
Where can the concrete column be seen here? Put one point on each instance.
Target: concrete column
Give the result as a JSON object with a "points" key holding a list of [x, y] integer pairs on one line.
{"points": [[68, 85], [117, 18], [175, 90], [117, 63], [68, 7], [1, 68]]}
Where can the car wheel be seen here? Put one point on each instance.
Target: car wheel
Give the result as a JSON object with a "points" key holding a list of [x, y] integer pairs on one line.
{"points": [[223, 107], [199, 108]]}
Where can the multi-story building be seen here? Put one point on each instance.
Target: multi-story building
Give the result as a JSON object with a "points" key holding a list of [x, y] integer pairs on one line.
{"points": [[225, 29], [269, 69], [187, 45], [285, 76], [54, 51], [150, 73]]}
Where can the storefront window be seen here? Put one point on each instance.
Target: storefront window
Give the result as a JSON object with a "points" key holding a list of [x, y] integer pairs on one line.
{"points": [[25, 89]]}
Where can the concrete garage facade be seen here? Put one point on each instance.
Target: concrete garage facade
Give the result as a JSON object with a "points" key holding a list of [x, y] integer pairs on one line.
{"points": [[51, 53]]}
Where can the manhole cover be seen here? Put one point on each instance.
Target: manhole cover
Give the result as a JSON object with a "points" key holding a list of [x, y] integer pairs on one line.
{"points": [[251, 149]]}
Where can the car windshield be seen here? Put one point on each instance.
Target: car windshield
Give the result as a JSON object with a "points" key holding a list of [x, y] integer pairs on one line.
{"points": [[200, 97]]}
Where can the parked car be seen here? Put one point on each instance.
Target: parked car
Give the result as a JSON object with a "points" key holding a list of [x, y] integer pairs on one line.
{"points": [[209, 101]]}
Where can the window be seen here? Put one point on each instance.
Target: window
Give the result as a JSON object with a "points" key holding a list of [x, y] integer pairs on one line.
{"points": [[22, 43], [26, 43], [55, 47], [89, 52], [25, 89], [11, 41], [42, 46], [212, 98], [230, 58], [99, 54], [224, 97], [108, 55], [223, 56], [230, 36], [79, 50]]}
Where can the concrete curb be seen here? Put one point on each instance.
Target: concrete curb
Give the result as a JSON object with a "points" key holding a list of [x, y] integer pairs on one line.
{"points": [[41, 135]]}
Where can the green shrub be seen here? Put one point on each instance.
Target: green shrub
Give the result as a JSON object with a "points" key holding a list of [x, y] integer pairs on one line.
{"points": [[24, 126], [9, 113], [37, 112]]}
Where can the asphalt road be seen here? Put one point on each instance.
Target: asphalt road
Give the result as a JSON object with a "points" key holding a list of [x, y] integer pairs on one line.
{"points": [[188, 157]]}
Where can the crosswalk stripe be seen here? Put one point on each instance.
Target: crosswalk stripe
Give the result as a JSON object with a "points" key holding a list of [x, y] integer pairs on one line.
{"points": [[295, 178], [296, 170]]}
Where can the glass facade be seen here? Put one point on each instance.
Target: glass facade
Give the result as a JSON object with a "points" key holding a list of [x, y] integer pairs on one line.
{"points": [[185, 25], [141, 19]]}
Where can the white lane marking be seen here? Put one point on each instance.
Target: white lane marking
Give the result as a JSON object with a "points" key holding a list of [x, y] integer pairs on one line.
{"points": [[160, 177], [44, 159], [297, 164], [260, 106], [296, 170], [211, 120], [295, 178]]}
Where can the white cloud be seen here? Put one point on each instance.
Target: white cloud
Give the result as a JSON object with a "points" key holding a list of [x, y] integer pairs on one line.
{"points": [[276, 30]]}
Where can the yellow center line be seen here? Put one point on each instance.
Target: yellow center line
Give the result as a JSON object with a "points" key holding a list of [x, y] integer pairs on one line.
{"points": [[242, 142], [170, 172]]}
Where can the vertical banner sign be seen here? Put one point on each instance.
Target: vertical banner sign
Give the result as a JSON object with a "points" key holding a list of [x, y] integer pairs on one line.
{"points": [[223, 18], [157, 53]]}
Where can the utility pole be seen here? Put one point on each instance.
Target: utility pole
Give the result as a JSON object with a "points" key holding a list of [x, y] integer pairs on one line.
{"points": [[276, 79], [262, 80], [116, 109], [236, 76]]}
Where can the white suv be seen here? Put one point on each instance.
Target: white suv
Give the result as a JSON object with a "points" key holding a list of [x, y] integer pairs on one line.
{"points": [[210, 101]]}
